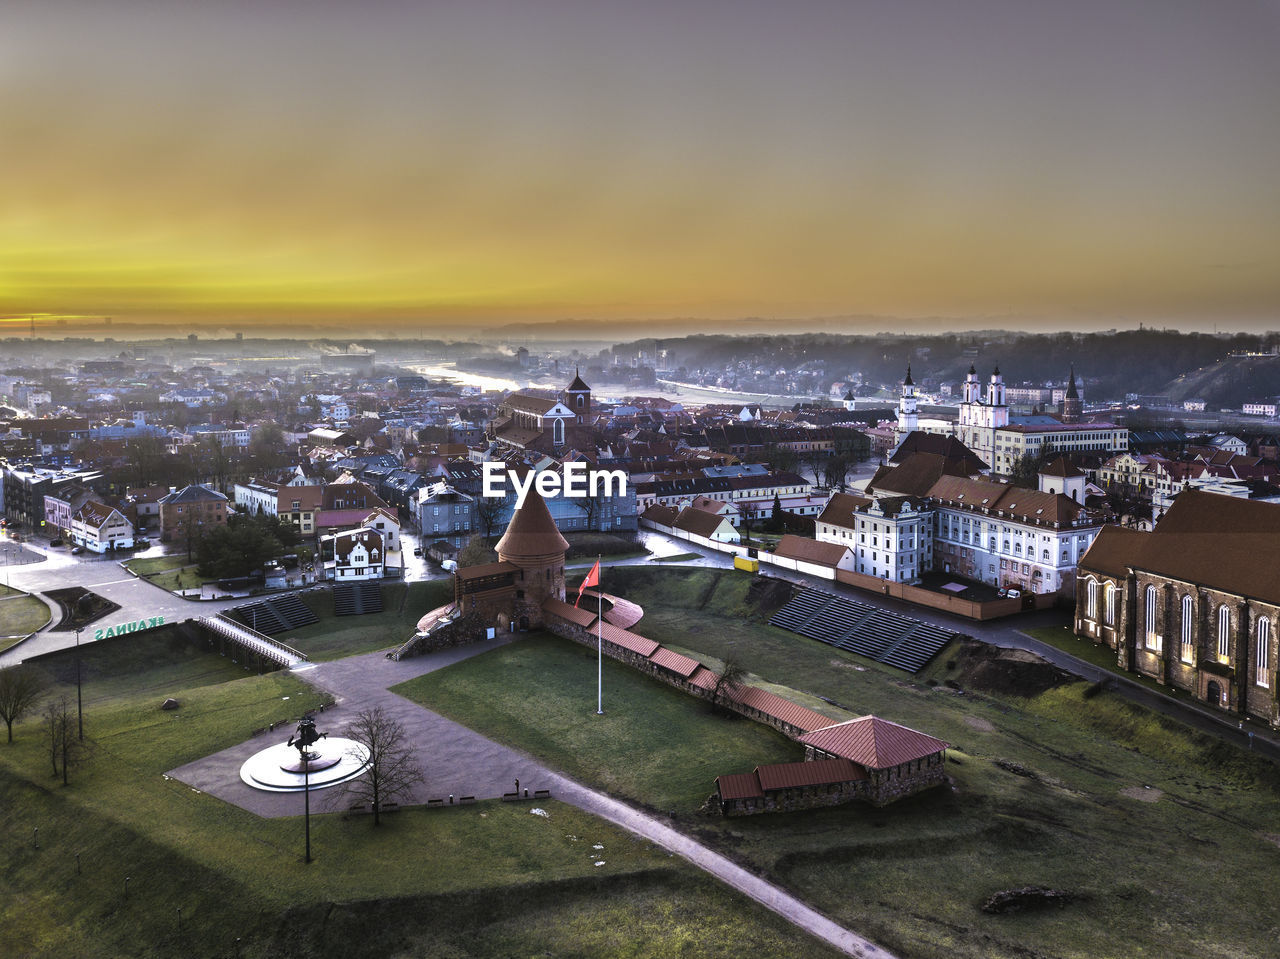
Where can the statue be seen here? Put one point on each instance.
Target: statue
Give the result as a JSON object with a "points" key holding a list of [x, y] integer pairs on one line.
{"points": [[305, 738]]}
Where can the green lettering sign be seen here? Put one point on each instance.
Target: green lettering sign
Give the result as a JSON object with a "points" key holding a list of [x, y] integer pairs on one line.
{"points": [[132, 627]]}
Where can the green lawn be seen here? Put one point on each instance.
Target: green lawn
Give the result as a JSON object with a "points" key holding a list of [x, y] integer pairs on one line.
{"points": [[334, 637], [173, 573], [19, 616], [654, 744], [1178, 877], [1097, 654], [423, 884]]}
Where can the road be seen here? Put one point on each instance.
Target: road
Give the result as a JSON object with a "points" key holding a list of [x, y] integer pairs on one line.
{"points": [[137, 598]]}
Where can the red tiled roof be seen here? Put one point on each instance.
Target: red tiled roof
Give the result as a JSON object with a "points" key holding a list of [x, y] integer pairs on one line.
{"points": [[574, 614], [699, 522], [662, 515], [774, 705], [873, 742], [532, 532], [739, 786], [819, 772], [679, 664], [1206, 538], [703, 678], [805, 550], [486, 569], [840, 507], [627, 639]]}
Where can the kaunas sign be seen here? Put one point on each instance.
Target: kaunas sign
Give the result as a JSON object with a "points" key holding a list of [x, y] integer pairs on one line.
{"points": [[121, 628]]}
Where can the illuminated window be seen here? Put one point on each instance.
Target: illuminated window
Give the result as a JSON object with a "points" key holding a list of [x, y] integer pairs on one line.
{"points": [[1153, 639], [1264, 652], [1188, 612]]}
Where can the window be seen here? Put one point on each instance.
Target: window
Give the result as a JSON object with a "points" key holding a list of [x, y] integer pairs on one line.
{"points": [[1224, 632], [1264, 652], [1153, 640], [1109, 599], [1188, 611]]}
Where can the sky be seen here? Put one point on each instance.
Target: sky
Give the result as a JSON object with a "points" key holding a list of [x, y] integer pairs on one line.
{"points": [[434, 165]]}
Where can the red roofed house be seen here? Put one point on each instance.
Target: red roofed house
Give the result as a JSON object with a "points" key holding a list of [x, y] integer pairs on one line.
{"points": [[358, 554], [898, 761], [98, 528]]}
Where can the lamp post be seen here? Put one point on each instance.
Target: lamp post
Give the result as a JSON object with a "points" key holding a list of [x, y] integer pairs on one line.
{"points": [[304, 739], [79, 700]]}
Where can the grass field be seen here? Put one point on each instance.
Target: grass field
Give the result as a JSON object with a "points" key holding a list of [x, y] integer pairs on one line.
{"points": [[1163, 835], [19, 616], [169, 572], [403, 604], [654, 744], [427, 883]]}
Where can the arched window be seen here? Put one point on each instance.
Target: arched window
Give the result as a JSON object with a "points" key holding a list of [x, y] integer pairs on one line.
{"points": [[1091, 598], [1224, 631], [557, 432], [1263, 677], [1188, 624], [1153, 640], [1109, 600]]}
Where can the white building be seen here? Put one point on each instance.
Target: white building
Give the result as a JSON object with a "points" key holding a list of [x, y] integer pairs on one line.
{"points": [[257, 498], [99, 527], [1259, 409], [358, 555], [995, 533], [1001, 440]]}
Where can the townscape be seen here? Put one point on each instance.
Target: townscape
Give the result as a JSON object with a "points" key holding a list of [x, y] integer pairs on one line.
{"points": [[988, 542], [546, 478]]}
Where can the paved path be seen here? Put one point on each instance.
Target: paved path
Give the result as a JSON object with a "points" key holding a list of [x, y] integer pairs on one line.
{"points": [[137, 598], [460, 762]]}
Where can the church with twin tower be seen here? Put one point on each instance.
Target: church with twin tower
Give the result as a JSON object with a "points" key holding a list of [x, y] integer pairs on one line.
{"points": [[1000, 438]]}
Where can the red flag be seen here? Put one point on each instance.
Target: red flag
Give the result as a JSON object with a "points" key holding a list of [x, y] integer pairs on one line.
{"points": [[593, 579]]}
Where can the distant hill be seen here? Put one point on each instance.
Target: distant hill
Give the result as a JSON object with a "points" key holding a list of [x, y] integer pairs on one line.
{"points": [[1229, 382]]}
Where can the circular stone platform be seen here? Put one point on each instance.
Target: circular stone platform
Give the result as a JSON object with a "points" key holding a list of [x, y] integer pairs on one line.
{"points": [[277, 769]]}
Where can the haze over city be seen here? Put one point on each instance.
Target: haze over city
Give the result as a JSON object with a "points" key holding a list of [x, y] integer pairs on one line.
{"points": [[855, 166]]}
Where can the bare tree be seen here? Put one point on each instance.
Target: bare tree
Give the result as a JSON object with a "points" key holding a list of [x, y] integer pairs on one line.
{"points": [[66, 749], [20, 687], [476, 553], [393, 770], [836, 471], [731, 676], [488, 512]]}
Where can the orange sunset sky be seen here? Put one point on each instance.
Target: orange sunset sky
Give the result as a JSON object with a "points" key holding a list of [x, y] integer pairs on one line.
{"points": [[383, 165]]}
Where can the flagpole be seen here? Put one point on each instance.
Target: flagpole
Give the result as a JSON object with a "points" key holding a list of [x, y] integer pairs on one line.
{"points": [[599, 646]]}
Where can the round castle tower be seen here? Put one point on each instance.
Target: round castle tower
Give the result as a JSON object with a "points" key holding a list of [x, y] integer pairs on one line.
{"points": [[533, 544]]}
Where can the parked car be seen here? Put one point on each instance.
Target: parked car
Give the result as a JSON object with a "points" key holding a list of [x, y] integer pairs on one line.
{"points": [[417, 551], [77, 550], [55, 542]]}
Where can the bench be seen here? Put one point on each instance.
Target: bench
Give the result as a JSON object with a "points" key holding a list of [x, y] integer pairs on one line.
{"points": [[467, 799], [432, 803], [542, 794]]}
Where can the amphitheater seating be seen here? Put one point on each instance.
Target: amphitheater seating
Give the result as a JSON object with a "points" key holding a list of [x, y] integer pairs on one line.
{"points": [[275, 615], [878, 634], [356, 599]]}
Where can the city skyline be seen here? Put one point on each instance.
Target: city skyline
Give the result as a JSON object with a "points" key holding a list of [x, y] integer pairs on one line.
{"points": [[351, 168]]}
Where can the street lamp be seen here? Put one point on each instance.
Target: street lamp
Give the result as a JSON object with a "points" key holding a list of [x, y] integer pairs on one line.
{"points": [[79, 701]]}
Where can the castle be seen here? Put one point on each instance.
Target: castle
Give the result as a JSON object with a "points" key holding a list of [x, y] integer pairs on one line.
{"points": [[530, 570]]}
